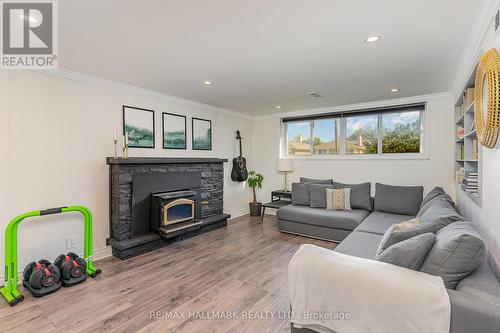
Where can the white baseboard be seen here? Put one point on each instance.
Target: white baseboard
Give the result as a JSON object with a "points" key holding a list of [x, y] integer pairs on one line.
{"points": [[238, 213], [102, 253]]}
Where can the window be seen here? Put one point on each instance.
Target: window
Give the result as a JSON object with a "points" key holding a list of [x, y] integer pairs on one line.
{"points": [[361, 135], [325, 136], [298, 138], [393, 131], [401, 132]]}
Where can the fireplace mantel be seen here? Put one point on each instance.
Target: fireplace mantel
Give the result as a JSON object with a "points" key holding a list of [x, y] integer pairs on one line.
{"points": [[163, 160]]}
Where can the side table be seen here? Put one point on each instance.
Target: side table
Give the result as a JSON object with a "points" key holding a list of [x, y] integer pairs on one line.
{"points": [[279, 198]]}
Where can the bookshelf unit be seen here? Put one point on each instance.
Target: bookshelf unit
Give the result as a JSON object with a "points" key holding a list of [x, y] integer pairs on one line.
{"points": [[468, 150]]}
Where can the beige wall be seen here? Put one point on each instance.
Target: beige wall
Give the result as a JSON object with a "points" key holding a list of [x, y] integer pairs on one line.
{"points": [[437, 170], [61, 131]]}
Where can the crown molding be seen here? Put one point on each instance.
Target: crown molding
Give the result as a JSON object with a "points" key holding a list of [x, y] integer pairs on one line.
{"points": [[473, 47], [358, 106], [122, 87]]}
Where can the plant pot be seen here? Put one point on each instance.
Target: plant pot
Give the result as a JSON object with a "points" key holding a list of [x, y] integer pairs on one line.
{"points": [[255, 209]]}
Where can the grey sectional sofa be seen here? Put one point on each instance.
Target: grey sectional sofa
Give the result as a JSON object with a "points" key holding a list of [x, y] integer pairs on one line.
{"points": [[475, 302]]}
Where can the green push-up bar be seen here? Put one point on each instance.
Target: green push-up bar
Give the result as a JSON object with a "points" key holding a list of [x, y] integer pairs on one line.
{"points": [[10, 291]]}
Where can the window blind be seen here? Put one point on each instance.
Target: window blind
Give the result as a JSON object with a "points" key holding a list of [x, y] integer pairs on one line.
{"points": [[340, 114]]}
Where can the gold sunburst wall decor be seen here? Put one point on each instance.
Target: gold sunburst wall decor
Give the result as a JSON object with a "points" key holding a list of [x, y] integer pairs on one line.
{"points": [[487, 98]]}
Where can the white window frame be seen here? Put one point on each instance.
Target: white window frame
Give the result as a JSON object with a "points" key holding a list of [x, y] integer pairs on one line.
{"points": [[424, 114]]}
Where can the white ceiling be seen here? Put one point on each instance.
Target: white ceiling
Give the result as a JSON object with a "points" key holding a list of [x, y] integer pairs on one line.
{"points": [[262, 53]]}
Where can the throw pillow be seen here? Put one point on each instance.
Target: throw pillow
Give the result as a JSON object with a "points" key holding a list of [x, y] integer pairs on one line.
{"points": [[360, 194], [300, 194], [316, 181], [409, 253], [457, 252], [395, 234], [403, 200], [338, 199], [394, 237], [439, 213], [317, 195]]}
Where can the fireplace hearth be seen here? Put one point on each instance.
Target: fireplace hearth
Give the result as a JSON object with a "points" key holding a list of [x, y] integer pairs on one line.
{"points": [[157, 201]]}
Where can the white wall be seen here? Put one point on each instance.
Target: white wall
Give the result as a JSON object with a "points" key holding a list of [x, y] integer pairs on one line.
{"points": [[434, 171], [487, 216], [4, 160], [60, 132]]}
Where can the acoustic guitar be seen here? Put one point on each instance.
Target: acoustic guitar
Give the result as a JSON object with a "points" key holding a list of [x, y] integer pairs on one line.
{"points": [[239, 172]]}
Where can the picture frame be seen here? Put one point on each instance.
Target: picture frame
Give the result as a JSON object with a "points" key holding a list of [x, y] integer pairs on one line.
{"points": [[139, 125], [201, 131], [174, 134]]}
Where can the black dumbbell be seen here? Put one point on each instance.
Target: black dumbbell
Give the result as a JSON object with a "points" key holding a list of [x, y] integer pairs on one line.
{"points": [[41, 274], [71, 267]]}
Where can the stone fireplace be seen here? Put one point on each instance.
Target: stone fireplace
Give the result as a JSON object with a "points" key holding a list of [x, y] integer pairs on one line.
{"points": [[156, 201]]}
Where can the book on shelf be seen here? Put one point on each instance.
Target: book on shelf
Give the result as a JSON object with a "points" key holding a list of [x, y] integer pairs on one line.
{"points": [[460, 133], [459, 111], [469, 190], [475, 150], [468, 97], [459, 176]]}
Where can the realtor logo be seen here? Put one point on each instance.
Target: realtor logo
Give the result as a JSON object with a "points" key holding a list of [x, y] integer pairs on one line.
{"points": [[29, 34]]}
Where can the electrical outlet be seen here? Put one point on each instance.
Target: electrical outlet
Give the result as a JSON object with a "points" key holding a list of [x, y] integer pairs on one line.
{"points": [[70, 243]]}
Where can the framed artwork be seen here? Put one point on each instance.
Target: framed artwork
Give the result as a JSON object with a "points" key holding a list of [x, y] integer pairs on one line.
{"points": [[139, 125], [202, 134], [174, 131]]}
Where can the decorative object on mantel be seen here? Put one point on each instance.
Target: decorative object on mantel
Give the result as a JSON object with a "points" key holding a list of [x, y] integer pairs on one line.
{"points": [[487, 98], [115, 140], [174, 131], [285, 165], [139, 124], [255, 181], [202, 134], [125, 146], [239, 172]]}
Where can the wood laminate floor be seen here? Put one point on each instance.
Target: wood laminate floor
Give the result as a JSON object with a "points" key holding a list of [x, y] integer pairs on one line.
{"points": [[229, 280]]}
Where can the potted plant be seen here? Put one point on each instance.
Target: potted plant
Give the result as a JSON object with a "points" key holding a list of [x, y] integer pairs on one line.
{"points": [[255, 181]]}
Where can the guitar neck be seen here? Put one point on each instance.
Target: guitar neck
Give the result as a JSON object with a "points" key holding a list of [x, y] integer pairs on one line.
{"points": [[241, 153]]}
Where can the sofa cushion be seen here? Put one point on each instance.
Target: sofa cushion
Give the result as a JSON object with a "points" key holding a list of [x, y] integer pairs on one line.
{"points": [[317, 195], [316, 181], [340, 219], [482, 283], [379, 222], [435, 194], [439, 213], [394, 235], [403, 200], [360, 244], [457, 252], [300, 194], [360, 194], [409, 253]]}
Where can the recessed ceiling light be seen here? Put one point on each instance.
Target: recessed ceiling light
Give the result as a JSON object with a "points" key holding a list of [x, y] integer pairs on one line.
{"points": [[394, 90], [372, 39], [314, 94], [207, 83], [278, 106], [28, 18]]}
